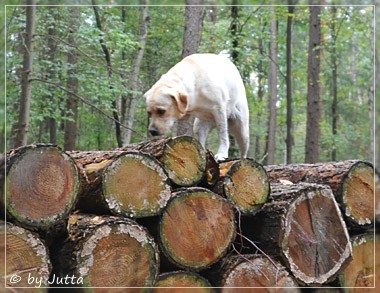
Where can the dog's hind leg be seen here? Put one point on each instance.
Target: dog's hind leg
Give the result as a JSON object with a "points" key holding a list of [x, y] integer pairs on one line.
{"points": [[239, 128]]}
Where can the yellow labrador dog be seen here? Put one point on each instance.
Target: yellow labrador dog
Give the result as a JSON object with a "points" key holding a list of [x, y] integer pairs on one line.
{"points": [[209, 87]]}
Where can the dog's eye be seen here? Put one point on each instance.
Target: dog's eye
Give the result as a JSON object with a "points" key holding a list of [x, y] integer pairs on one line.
{"points": [[160, 112]]}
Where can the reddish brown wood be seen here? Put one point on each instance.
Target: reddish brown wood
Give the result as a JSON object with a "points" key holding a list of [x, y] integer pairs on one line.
{"points": [[42, 185], [24, 258], [181, 281], [302, 224], [351, 181], [112, 252], [362, 271], [197, 228], [255, 271]]}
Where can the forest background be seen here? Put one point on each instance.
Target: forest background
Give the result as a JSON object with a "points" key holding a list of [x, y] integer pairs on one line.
{"points": [[91, 65]]}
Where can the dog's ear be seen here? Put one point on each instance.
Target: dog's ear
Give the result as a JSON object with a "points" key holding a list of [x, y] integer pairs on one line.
{"points": [[181, 100], [145, 96]]}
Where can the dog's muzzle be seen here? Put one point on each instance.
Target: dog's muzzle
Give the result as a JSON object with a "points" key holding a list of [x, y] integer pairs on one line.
{"points": [[153, 131]]}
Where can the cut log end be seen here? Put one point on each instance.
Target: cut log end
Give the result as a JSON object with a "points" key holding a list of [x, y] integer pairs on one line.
{"points": [[358, 194], [245, 184], [197, 228], [315, 241], [42, 185], [361, 271], [27, 257], [118, 253], [256, 271], [135, 185], [174, 280], [185, 160]]}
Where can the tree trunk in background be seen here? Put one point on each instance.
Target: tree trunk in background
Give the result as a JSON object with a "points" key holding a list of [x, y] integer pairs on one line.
{"points": [[128, 113], [260, 84], [191, 40], [50, 56], [334, 89], [314, 104], [26, 87], [271, 143], [107, 56], [235, 35], [70, 136], [371, 103], [289, 111]]}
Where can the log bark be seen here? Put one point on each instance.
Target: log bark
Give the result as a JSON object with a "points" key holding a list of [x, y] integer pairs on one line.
{"points": [[42, 184], [131, 184], [182, 157], [24, 258], [351, 181], [197, 228], [112, 252], [361, 271], [212, 173], [182, 281], [303, 225], [255, 271], [244, 183]]}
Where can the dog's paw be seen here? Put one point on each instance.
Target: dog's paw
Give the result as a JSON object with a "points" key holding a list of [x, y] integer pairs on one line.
{"points": [[221, 157]]}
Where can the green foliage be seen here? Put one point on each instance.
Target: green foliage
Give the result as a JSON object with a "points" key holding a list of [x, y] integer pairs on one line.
{"points": [[98, 90]]}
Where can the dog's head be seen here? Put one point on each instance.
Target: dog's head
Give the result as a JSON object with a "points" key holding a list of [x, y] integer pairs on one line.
{"points": [[164, 106]]}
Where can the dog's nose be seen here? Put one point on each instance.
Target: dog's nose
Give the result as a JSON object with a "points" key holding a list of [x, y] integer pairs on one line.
{"points": [[153, 131]]}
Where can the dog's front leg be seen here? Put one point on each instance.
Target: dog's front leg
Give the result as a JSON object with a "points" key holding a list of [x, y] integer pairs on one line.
{"points": [[202, 129], [224, 142]]}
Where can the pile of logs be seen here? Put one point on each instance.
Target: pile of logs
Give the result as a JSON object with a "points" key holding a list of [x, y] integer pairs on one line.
{"points": [[165, 213]]}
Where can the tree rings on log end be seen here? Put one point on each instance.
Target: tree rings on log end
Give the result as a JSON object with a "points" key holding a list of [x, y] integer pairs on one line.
{"points": [[174, 280], [315, 242], [42, 185], [135, 185], [255, 271], [358, 194], [245, 184], [197, 228], [115, 252], [184, 159], [26, 258], [363, 269]]}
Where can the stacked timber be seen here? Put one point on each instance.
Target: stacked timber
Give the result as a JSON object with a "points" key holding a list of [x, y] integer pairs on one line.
{"points": [[182, 281], [197, 228], [42, 186], [165, 214], [124, 183], [351, 181], [255, 271], [182, 157], [112, 252], [303, 225], [24, 258], [244, 183], [361, 272]]}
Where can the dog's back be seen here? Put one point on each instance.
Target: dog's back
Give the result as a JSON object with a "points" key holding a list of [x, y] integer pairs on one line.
{"points": [[212, 77]]}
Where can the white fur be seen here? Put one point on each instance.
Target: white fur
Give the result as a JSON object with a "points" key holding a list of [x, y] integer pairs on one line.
{"points": [[209, 87]]}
